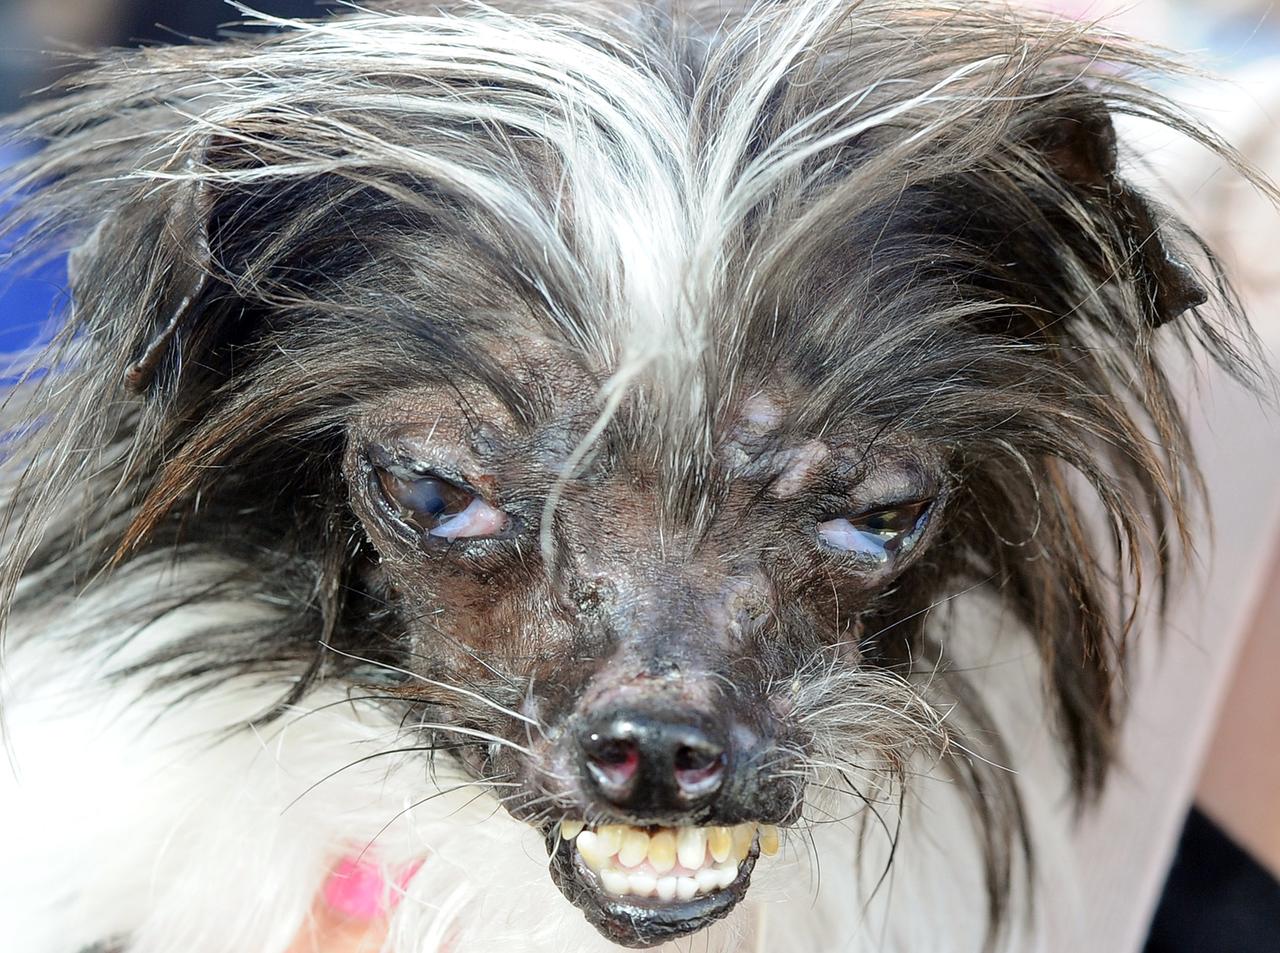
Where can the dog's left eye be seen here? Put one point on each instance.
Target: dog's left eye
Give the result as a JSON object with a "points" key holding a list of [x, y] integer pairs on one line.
{"points": [[439, 508], [877, 533]]}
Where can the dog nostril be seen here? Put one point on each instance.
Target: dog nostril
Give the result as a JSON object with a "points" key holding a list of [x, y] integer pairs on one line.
{"points": [[690, 759], [699, 769], [648, 763], [613, 761]]}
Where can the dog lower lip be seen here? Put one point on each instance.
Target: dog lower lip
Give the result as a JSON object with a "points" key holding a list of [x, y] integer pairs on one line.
{"points": [[643, 886]]}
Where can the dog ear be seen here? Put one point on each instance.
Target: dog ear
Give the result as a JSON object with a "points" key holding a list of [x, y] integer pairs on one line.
{"points": [[153, 254], [189, 278], [172, 259], [1077, 139]]}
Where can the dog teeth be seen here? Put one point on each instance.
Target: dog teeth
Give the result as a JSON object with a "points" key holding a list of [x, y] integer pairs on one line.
{"points": [[635, 847], [691, 847], [592, 849], [768, 840], [720, 841], [615, 882], [643, 885], [667, 863], [708, 879], [611, 837], [662, 851]]}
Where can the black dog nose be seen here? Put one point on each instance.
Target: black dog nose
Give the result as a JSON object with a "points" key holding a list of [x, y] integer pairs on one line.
{"points": [[651, 763]]}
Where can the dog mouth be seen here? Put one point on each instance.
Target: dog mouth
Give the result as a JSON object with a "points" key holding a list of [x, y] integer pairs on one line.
{"points": [[641, 886]]}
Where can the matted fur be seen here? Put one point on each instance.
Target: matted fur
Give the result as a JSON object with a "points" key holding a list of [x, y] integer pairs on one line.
{"points": [[877, 212]]}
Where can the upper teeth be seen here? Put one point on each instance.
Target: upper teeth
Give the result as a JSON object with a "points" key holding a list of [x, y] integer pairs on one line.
{"points": [[669, 862]]}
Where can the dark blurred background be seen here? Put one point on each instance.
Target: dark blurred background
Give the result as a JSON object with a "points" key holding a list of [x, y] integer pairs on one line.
{"points": [[34, 32]]}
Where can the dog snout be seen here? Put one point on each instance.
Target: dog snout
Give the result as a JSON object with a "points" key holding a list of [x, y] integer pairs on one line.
{"points": [[652, 763]]}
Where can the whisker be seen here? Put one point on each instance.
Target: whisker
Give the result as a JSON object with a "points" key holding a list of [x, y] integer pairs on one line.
{"points": [[353, 764], [416, 804], [475, 696]]}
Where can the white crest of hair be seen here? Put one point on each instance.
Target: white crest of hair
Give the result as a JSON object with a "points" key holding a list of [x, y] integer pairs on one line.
{"points": [[651, 222], [620, 142], [163, 822], [648, 208]]}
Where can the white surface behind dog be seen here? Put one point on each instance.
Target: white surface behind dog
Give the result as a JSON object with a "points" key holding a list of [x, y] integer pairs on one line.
{"points": [[1124, 849]]}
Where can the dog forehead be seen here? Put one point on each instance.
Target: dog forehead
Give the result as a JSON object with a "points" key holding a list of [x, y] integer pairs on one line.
{"points": [[754, 436]]}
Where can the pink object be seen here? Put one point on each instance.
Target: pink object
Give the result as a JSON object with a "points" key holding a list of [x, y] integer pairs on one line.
{"points": [[357, 889]]}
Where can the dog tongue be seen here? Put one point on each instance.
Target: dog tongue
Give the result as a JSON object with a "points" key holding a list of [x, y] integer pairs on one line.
{"points": [[359, 890]]}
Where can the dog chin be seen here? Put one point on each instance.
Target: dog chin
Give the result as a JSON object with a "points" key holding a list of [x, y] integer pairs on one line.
{"points": [[642, 886]]}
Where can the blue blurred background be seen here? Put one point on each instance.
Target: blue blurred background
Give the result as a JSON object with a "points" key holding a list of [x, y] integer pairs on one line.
{"points": [[38, 40]]}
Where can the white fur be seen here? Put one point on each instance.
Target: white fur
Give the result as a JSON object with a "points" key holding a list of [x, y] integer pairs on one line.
{"points": [[124, 816]]}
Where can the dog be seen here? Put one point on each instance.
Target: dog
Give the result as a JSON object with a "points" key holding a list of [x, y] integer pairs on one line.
{"points": [[633, 473]]}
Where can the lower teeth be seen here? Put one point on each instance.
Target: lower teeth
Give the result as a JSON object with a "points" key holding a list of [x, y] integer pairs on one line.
{"points": [[670, 863]]}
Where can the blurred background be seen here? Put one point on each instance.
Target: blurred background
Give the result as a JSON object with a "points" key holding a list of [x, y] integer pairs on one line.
{"points": [[41, 40], [1224, 33], [32, 32], [1221, 721]]}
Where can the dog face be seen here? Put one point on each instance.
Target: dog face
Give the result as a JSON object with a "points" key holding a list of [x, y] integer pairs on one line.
{"points": [[664, 668], [621, 389]]}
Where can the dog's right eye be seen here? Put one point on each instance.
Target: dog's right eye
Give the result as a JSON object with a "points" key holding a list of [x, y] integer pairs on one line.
{"points": [[877, 533], [436, 507]]}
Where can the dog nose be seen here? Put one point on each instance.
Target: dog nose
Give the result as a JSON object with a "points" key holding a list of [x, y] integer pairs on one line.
{"points": [[646, 762]]}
